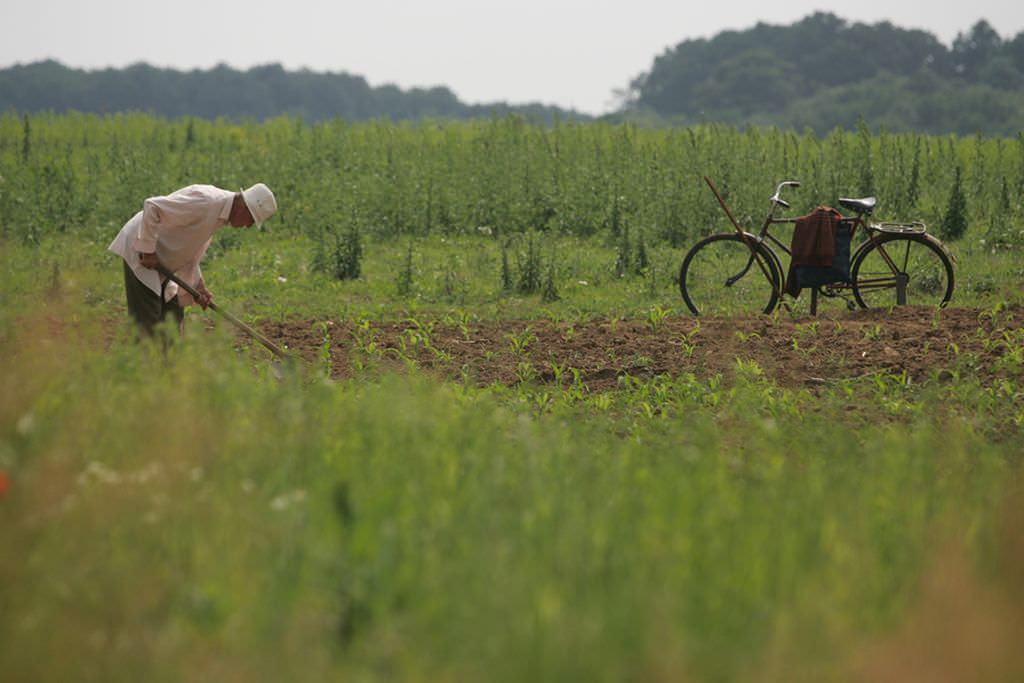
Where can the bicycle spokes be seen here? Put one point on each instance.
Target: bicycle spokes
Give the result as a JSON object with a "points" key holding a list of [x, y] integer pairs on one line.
{"points": [[718, 277], [901, 270]]}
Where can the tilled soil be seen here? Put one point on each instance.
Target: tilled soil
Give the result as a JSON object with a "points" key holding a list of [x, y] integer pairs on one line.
{"points": [[920, 342]]}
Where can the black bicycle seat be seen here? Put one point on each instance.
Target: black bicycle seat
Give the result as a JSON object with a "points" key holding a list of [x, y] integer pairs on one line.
{"points": [[865, 205]]}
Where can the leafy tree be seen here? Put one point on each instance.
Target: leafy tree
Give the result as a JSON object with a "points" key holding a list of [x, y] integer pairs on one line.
{"points": [[823, 72], [751, 81], [971, 52]]}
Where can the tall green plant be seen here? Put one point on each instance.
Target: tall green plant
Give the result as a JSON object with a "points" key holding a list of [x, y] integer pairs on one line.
{"points": [[339, 253], [530, 266], [954, 218], [406, 280]]}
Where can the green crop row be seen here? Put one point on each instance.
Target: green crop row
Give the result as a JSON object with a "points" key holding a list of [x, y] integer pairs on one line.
{"points": [[494, 177]]}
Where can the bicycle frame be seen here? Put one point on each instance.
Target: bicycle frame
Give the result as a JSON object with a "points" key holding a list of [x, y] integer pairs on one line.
{"points": [[764, 236]]}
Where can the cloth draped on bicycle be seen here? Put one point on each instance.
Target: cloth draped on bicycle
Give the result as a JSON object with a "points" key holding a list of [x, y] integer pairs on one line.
{"points": [[820, 251]]}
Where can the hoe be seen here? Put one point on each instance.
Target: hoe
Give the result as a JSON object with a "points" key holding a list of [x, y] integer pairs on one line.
{"points": [[274, 348]]}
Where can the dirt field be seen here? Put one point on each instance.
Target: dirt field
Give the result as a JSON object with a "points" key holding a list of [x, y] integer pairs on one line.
{"points": [[805, 352]]}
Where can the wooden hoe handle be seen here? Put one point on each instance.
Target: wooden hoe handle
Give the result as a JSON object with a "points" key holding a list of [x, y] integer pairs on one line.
{"points": [[277, 351]]}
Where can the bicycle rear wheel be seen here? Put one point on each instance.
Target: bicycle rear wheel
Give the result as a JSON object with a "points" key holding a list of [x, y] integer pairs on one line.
{"points": [[897, 270], [720, 276]]}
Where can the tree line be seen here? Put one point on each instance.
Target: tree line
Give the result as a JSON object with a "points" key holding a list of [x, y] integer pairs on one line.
{"points": [[817, 74], [260, 93]]}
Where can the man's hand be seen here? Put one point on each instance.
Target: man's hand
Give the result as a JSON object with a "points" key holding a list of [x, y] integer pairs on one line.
{"points": [[148, 260], [205, 296]]}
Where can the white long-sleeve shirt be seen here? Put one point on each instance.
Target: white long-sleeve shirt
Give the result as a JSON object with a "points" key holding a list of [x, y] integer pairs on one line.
{"points": [[179, 228]]}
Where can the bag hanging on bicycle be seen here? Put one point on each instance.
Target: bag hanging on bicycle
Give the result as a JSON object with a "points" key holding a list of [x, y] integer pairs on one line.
{"points": [[820, 251]]}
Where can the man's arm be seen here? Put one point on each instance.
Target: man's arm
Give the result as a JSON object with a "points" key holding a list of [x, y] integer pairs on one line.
{"points": [[152, 218]]}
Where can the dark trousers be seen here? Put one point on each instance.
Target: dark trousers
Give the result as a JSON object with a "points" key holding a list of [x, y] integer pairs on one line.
{"points": [[149, 308]]}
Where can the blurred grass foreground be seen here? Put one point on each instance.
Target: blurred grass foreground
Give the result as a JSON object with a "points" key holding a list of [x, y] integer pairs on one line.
{"points": [[189, 517]]}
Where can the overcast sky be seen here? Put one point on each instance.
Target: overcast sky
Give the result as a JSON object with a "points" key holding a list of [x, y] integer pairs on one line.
{"points": [[572, 53]]}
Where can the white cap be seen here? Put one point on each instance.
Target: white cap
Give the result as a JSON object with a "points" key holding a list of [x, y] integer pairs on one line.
{"points": [[261, 203]]}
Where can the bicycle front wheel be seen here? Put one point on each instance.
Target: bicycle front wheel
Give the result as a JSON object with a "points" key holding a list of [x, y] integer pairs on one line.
{"points": [[720, 276], [897, 270]]}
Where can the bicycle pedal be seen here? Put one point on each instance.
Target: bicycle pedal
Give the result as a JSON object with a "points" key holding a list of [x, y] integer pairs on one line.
{"points": [[837, 294]]}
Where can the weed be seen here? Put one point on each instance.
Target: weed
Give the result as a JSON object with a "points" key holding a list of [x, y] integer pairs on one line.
{"points": [[405, 281], [642, 261], [954, 219], [340, 253], [324, 352], [505, 285], [623, 254], [651, 276], [550, 292], [530, 267], [453, 283]]}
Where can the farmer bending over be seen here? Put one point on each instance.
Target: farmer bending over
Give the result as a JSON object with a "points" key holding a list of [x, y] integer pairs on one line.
{"points": [[175, 231]]}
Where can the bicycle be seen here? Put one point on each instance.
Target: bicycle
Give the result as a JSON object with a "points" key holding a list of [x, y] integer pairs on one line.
{"points": [[895, 264]]}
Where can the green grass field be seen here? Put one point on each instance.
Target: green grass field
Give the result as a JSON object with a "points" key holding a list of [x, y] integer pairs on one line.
{"points": [[194, 516]]}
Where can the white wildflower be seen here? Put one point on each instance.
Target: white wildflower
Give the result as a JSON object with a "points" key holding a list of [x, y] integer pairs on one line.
{"points": [[152, 471], [26, 424], [286, 500], [97, 471]]}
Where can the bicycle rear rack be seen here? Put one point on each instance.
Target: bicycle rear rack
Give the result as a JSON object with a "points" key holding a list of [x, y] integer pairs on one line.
{"points": [[912, 228]]}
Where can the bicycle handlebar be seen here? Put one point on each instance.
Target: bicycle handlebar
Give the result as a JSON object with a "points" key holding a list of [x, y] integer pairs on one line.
{"points": [[777, 197]]}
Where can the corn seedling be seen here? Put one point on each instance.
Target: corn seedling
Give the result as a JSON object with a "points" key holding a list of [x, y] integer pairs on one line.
{"points": [[525, 372], [656, 316], [520, 343]]}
